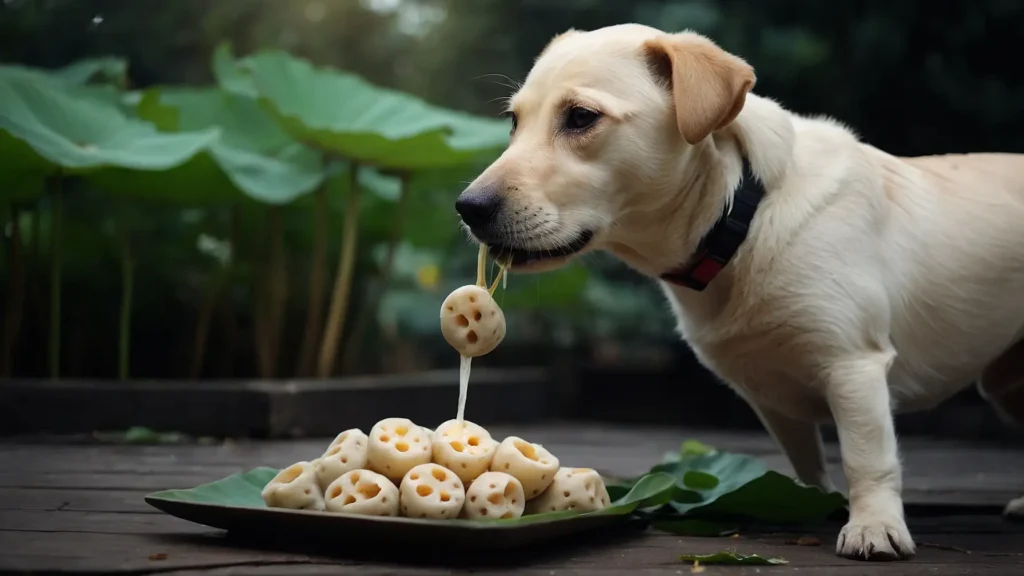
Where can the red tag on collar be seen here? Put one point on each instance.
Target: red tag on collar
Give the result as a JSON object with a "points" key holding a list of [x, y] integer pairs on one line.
{"points": [[698, 275], [705, 270]]}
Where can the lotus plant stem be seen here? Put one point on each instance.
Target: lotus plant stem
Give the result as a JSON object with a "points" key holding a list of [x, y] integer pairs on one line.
{"points": [[343, 280], [33, 237], [15, 296], [31, 267], [127, 292], [33, 250], [317, 282], [57, 197], [31, 302], [260, 318], [259, 332], [228, 308], [278, 289], [366, 312], [213, 288]]}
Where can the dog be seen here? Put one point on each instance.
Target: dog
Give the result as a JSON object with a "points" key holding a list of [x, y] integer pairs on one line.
{"points": [[816, 275]]}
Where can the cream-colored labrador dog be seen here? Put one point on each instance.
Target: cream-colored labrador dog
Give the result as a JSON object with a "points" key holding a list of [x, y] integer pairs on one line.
{"points": [[835, 280]]}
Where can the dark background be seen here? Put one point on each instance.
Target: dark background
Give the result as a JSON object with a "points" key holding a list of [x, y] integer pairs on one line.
{"points": [[911, 77]]}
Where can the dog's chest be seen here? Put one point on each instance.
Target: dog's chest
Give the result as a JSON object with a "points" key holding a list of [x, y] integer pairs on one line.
{"points": [[766, 376], [761, 367]]}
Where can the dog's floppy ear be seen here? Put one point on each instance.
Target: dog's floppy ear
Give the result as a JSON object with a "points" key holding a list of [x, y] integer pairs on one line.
{"points": [[709, 85]]}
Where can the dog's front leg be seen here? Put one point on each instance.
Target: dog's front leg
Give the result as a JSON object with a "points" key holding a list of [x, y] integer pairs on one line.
{"points": [[858, 396], [801, 442]]}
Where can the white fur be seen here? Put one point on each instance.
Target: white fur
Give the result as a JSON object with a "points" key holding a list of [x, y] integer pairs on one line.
{"points": [[868, 284]]}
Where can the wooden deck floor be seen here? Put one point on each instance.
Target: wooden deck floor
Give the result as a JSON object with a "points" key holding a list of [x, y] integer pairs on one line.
{"points": [[80, 508]]}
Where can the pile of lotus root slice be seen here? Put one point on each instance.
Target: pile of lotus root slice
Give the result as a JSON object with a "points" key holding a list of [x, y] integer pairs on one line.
{"points": [[456, 471]]}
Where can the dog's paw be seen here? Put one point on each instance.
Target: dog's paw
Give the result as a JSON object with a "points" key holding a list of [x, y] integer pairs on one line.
{"points": [[881, 538], [1015, 509]]}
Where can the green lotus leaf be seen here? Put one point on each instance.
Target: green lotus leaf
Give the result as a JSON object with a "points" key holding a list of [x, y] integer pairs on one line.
{"points": [[347, 116], [48, 126], [254, 154], [244, 490], [714, 485], [104, 68]]}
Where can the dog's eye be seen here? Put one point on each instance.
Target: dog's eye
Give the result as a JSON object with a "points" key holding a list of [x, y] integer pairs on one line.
{"points": [[515, 120], [579, 118]]}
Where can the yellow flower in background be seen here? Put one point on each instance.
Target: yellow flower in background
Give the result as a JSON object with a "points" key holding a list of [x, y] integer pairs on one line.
{"points": [[428, 276]]}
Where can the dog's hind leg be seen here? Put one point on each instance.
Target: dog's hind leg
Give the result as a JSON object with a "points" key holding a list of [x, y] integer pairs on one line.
{"points": [[1002, 385], [801, 442]]}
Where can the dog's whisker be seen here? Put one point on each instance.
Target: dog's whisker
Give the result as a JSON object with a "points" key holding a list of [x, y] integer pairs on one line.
{"points": [[515, 83], [504, 85]]}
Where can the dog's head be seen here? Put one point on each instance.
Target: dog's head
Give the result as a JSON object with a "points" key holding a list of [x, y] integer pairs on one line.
{"points": [[601, 128]]}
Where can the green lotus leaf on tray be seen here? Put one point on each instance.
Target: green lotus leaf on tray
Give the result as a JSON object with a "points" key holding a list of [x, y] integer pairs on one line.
{"points": [[723, 490], [244, 490], [708, 494]]}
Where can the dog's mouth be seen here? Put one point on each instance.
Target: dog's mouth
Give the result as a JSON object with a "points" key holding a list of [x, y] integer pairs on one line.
{"points": [[517, 257]]}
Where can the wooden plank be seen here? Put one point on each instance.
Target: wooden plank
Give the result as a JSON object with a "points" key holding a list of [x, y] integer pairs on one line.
{"points": [[80, 508], [932, 474], [111, 553], [887, 570], [42, 521], [656, 440], [233, 453], [668, 548], [929, 479], [101, 481], [121, 465], [651, 553], [320, 569], [75, 500]]}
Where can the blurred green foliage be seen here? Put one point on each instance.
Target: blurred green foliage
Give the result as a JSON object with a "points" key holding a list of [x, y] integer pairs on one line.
{"points": [[206, 147], [217, 180]]}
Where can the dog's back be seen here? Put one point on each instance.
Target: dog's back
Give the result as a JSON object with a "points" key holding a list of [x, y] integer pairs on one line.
{"points": [[955, 260], [975, 176]]}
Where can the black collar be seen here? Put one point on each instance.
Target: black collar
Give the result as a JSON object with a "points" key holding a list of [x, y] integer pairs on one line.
{"points": [[720, 244]]}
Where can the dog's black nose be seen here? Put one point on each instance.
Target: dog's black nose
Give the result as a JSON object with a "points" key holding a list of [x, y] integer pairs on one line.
{"points": [[479, 206]]}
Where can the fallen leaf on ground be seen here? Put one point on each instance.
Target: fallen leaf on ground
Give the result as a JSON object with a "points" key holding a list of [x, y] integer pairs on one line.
{"points": [[733, 558], [695, 448], [158, 556], [804, 541], [140, 435]]}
